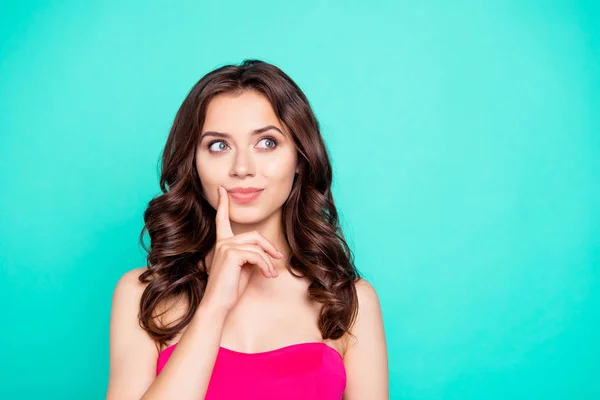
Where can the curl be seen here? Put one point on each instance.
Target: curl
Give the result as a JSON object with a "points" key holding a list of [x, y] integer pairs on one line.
{"points": [[180, 222]]}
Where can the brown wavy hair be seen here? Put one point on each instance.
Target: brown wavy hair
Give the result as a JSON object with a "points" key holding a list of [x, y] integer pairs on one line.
{"points": [[181, 223]]}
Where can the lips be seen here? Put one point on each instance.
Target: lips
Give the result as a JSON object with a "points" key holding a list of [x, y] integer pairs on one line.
{"points": [[245, 195], [244, 190]]}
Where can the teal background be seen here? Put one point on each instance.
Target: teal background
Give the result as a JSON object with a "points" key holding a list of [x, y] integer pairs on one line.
{"points": [[465, 139]]}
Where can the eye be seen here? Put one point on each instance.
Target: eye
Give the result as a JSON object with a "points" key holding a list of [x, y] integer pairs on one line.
{"points": [[270, 140], [218, 148]]}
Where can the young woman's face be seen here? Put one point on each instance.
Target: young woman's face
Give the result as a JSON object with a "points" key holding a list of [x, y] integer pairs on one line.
{"points": [[233, 154]]}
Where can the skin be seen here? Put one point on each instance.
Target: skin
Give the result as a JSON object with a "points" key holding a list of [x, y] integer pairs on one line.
{"points": [[271, 312], [247, 160]]}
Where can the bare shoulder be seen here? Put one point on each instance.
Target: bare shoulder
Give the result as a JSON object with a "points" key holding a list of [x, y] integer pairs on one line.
{"points": [[129, 286], [126, 300], [368, 298], [365, 358], [131, 348], [128, 293], [369, 308]]}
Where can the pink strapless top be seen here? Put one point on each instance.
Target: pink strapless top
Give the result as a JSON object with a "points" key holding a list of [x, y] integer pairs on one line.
{"points": [[307, 371]]}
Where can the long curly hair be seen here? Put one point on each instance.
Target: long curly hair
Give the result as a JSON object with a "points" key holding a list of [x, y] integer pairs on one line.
{"points": [[181, 223]]}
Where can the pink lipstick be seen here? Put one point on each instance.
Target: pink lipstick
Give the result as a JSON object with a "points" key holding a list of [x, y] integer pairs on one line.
{"points": [[244, 195]]}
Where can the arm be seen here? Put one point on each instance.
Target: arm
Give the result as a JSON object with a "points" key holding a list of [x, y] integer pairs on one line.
{"points": [[187, 373], [366, 356], [133, 354]]}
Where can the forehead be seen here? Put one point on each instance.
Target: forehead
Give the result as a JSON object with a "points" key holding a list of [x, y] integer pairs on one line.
{"points": [[239, 113]]}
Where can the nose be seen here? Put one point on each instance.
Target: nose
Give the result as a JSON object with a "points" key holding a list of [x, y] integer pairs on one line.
{"points": [[243, 163]]}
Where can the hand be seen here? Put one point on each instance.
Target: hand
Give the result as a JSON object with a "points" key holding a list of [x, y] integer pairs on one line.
{"points": [[234, 258]]}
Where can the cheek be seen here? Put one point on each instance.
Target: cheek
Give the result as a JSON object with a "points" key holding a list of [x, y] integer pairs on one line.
{"points": [[280, 169], [209, 183], [280, 177]]}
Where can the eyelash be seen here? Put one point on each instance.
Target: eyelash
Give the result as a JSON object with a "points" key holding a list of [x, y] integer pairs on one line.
{"points": [[262, 138]]}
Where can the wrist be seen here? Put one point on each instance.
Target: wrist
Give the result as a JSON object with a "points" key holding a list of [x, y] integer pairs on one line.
{"points": [[213, 311]]}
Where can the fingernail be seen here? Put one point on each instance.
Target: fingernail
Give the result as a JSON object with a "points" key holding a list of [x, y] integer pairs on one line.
{"points": [[280, 253]]}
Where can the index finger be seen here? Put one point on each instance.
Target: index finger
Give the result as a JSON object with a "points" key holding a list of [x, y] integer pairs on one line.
{"points": [[222, 218]]}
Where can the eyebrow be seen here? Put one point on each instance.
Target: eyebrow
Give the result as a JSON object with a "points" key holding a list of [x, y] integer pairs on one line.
{"points": [[254, 132]]}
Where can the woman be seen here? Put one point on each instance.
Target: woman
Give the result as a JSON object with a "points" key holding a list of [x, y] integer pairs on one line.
{"points": [[250, 290]]}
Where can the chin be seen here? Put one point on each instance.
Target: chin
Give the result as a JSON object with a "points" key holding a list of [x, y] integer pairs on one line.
{"points": [[245, 215]]}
